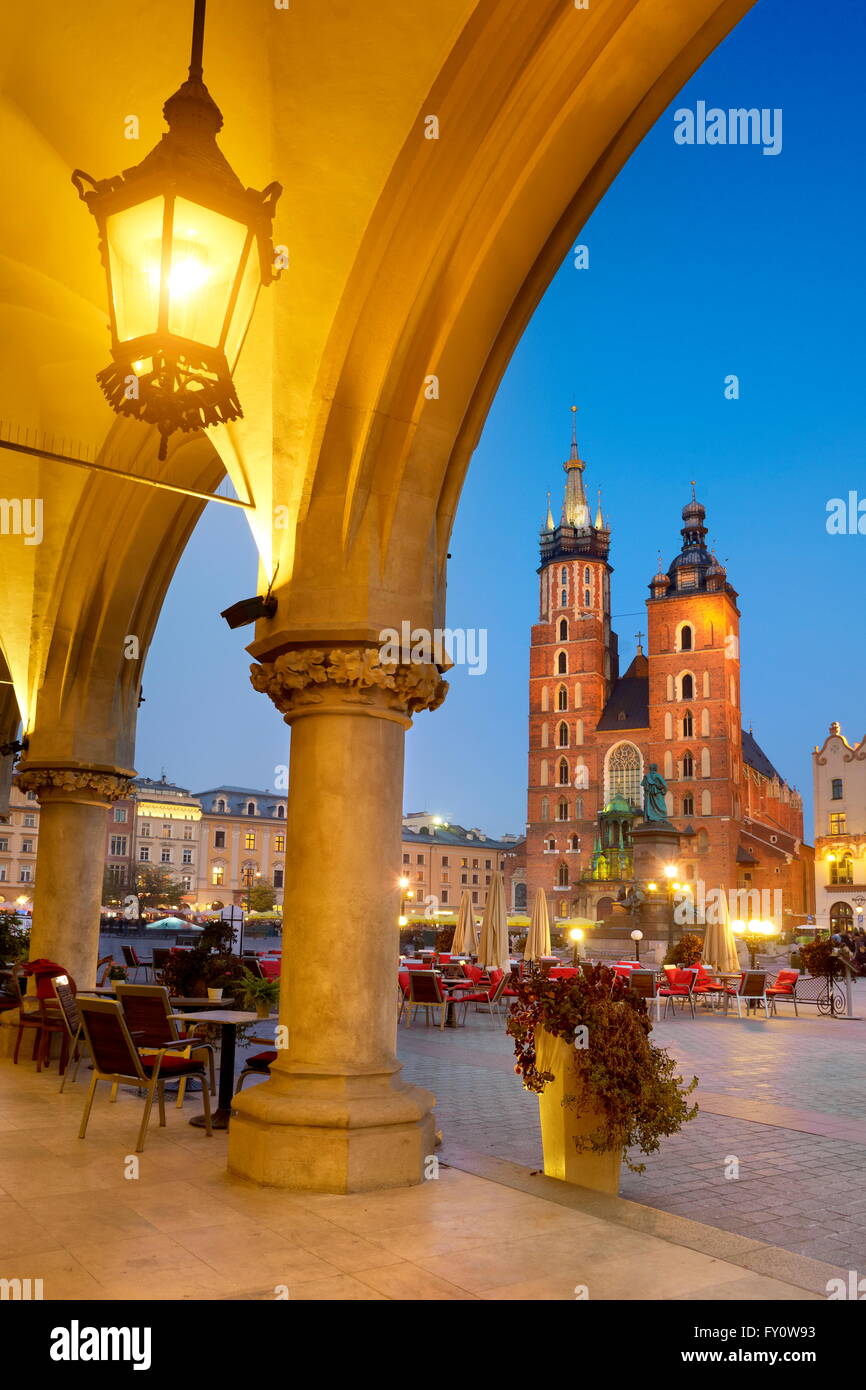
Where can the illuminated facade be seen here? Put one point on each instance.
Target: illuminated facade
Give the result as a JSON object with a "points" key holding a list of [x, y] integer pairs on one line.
{"points": [[594, 733], [839, 780]]}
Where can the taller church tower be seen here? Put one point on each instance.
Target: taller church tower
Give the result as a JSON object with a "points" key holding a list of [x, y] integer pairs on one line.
{"points": [[573, 665]]}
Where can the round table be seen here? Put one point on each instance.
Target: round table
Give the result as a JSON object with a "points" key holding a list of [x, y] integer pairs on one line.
{"points": [[229, 1020]]}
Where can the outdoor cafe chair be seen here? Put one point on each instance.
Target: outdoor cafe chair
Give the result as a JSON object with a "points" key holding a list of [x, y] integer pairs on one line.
{"points": [[784, 987], [645, 983], [148, 1013], [134, 961], [42, 1017], [161, 956], [403, 987], [63, 990], [681, 985], [753, 990], [492, 996], [259, 1064], [426, 992], [117, 1060]]}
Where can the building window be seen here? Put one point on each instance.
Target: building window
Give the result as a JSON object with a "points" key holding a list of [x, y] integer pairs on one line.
{"points": [[685, 638], [574, 843], [688, 805], [578, 808], [187, 832], [219, 839], [144, 830], [587, 600], [841, 917], [251, 808], [120, 815], [281, 811], [688, 769], [30, 821], [688, 724], [405, 858], [562, 879], [444, 895], [187, 856], [550, 846], [563, 629], [166, 832], [624, 773], [26, 846], [280, 844], [2, 873], [488, 863], [31, 796], [562, 737], [474, 878], [445, 861], [687, 688], [562, 773], [464, 878], [26, 874], [562, 810], [250, 840], [474, 899], [118, 844], [165, 856], [842, 870], [836, 789], [420, 859], [562, 664], [144, 854], [4, 846], [562, 698], [186, 883], [216, 876], [837, 822], [278, 878], [586, 575]]}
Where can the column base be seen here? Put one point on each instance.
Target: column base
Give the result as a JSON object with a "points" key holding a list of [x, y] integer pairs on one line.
{"points": [[335, 1134]]}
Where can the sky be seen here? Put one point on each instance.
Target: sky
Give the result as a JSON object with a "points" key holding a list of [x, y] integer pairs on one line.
{"points": [[705, 261]]}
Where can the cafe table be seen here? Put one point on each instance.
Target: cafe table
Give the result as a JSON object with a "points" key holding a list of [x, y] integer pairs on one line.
{"points": [[229, 1021]]}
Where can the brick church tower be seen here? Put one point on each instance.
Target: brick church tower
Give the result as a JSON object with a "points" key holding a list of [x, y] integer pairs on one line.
{"points": [[573, 667], [593, 733]]}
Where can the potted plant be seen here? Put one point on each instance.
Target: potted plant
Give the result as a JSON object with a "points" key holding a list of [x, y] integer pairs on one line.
{"points": [[259, 994], [117, 972], [583, 1045], [686, 951]]}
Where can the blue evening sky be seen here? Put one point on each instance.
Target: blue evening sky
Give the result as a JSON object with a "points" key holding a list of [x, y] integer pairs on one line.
{"points": [[704, 261]]}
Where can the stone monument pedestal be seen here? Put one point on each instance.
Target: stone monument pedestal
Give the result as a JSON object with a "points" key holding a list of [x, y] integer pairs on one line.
{"points": [[655, 844]]}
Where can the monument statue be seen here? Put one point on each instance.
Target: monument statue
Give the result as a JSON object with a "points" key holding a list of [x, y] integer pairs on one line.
{"points": [[654, 788]]}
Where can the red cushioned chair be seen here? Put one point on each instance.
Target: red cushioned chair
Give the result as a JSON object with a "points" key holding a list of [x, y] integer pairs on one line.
{"points": [[117, 1061], [403, 985], [41, 1013], [259, 1064], [784, 987], [491, 996], [681, 985], [148, 1013]]}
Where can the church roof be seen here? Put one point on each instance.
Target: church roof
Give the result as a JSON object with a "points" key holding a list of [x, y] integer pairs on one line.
{"points": [[755, 756], [628, 706]]}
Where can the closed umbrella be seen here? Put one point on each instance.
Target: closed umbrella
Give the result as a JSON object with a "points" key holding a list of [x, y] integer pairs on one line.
{"points": [[720, 948], [538, 936], [464, 933], [493, 946]]}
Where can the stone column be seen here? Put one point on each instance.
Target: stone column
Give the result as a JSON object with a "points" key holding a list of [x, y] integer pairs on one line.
{"points": [[334, 1115], [70, 862]]}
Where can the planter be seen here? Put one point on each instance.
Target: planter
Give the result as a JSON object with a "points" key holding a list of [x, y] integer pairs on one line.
{"points": [[562, 1124], [214, 993], [263, 1008]]}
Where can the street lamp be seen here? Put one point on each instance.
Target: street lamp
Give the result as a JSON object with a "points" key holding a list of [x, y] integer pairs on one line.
{"points": [[186, 249], [637, 938], [576, 935]]}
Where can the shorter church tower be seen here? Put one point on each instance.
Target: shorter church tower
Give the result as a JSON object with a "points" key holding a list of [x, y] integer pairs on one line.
{"points": [[573, 665]]}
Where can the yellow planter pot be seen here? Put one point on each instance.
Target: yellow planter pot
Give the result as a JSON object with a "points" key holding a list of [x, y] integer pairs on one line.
{"points": [[562, 1124]]}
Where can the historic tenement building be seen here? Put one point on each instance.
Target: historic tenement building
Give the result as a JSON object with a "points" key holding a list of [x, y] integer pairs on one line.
{"points": [[593, 731], [839, 779]]}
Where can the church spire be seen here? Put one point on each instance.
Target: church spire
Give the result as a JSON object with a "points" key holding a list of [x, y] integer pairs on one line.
{"points": [[550, 524], [575, 511], [599, 519]]}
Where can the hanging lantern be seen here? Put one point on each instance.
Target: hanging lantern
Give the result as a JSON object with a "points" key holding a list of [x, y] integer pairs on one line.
{"points": [[185, 248]]}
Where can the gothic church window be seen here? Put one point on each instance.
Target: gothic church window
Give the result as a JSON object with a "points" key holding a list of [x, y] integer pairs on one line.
{"points": [[563, 773], [562, 810], [687, 687], [685, 638], [562, 876], [688, 769], [562, 735], [688, 805], [562, 697], [624, 771], [562, 664], [688, 724], [563, 629]]}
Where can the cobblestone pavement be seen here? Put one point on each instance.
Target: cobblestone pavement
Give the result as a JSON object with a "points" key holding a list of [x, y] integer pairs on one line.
{"points": [[786, 1099]]}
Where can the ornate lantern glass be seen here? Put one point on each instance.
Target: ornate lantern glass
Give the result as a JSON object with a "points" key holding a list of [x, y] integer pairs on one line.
{"points": [[185, 249]]}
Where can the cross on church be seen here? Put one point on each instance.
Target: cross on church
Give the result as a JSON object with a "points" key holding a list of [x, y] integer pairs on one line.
{"points": [[639, 639]]}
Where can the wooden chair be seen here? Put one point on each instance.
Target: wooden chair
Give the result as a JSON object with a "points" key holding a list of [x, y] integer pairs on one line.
{"points": [[492, 995], [147, 1010], [63, 990], [645, 983], [45, 1019], [134, 961], [753, 990], [117, 1061], [426, 992]]}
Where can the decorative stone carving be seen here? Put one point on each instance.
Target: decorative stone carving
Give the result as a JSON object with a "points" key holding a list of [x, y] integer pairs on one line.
{"points": [[356, 675], [111, 786]]}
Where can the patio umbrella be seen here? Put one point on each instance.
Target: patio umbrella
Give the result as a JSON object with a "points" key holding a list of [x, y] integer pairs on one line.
{"points": [[464, 933], [538, 936], [173, 924], [720, 948], [493, 946]]}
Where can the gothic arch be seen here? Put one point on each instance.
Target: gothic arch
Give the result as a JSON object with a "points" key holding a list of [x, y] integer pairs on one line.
{"points": [[623, 770]]}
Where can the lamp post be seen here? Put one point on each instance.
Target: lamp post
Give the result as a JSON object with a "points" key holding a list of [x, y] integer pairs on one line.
{"points": [[186, 248], [576, 935], [637, 938]]}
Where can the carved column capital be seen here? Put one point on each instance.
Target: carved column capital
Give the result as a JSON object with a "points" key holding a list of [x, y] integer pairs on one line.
{"points": [[98, 783], [346, 679]]}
